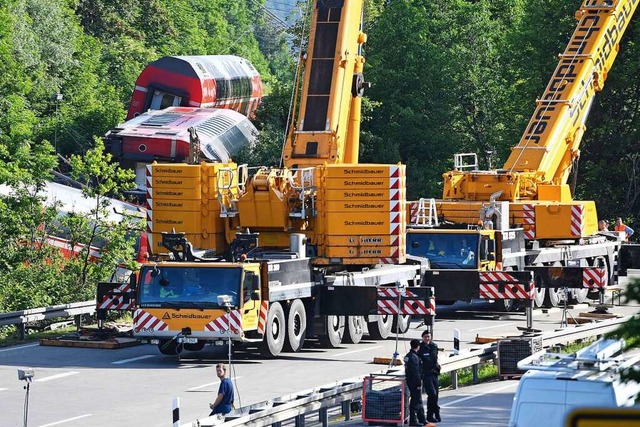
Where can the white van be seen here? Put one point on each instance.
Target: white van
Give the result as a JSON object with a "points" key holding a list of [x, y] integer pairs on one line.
{"points": [[555, 384]]}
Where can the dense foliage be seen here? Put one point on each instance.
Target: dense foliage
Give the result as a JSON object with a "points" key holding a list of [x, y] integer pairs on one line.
{"points": [[448, 76]]}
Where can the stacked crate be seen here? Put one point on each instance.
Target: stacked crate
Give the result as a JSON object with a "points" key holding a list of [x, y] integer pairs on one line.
{"points": [[513, 350], [184, 198], [361, 213]]}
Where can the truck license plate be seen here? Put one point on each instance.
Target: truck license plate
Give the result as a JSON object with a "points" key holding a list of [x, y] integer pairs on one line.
{"points": [[189, 340]]}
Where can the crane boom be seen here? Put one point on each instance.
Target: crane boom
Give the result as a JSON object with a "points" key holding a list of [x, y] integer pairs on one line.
{"points": [[332, 83], [552, 137], [539, 165]]}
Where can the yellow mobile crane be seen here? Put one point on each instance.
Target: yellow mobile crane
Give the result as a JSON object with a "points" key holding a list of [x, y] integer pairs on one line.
{"points": [[528, 218], [313, 248]]}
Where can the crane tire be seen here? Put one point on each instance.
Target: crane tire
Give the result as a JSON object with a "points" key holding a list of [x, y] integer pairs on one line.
{"points": [[355, 329], [380, 329], [296, 327], [333, 331], [275, 331], [401, 323]]}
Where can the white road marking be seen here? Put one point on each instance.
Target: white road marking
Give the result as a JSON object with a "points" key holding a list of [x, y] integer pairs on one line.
{"points": [[3, 389], [133, 359], [207, 385], [356, 351], [18, 348], [491, 327], [67, 420], [55, 377], [477, 395]]}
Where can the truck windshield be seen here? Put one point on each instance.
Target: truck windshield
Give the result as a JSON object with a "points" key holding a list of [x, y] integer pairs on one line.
{"points": [[206, 287], [445, 250]]}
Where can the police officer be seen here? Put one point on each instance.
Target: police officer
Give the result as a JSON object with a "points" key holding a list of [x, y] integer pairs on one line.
{"points": [[413, 374], [430, 371]]}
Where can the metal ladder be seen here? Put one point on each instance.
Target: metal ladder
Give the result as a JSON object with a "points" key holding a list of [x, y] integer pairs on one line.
{"points": [[424, 219]]}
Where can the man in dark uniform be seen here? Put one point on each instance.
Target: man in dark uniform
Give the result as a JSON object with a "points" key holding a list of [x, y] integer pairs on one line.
{"points": [[413, 374], [430, 371]]}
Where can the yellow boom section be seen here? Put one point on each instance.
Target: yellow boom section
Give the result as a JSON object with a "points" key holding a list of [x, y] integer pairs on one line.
{"points": [[327, 130], [539, 164]]}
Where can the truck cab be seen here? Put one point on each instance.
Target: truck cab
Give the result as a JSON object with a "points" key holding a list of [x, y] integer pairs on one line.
{"points": [[186, 304], [446, 249]]}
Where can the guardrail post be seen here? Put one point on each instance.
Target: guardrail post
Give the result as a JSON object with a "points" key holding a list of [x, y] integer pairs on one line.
{"points": [[278, 424], [474, 371], [346, 410], [22, 331], [77, 319], [300, 420], [454, 379], [323, 417]]}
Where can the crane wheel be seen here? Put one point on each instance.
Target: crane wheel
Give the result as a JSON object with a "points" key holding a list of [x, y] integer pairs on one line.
{"points": [[296, 327], [275, 332], [355, 329], [555, 296], [579, 295], [401, 323], [539, 292], [380, 329], [333, 331]]}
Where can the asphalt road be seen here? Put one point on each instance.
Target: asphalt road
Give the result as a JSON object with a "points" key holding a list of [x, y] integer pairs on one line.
{"points": [[136, 385]]}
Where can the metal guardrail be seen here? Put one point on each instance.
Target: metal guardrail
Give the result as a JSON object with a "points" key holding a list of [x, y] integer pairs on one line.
{"points": [[35, 314], [295, 406]]}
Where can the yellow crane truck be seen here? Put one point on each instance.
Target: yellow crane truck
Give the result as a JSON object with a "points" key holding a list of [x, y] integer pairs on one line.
{"points": [[521, 220], [271, 256]]}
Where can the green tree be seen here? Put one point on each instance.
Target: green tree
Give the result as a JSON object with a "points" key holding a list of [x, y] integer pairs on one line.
{"points": [[104, 180]]}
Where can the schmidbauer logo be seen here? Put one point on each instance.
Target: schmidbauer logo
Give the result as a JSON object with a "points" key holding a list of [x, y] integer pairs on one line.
{"points": [[165, 316]]}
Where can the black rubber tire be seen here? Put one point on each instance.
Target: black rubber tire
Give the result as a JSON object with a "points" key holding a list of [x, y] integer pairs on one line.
{"points": [[554, 297], [506, 305], [275, 332], [380, 329], [579, 296], [296, 327], [195, 347], [539, 293], [170, 347], [355, 329], [333, 331], [401, 324]]}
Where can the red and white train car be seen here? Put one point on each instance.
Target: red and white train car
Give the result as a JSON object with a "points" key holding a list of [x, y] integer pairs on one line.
{"points": [[208, 81], [71, 200]]}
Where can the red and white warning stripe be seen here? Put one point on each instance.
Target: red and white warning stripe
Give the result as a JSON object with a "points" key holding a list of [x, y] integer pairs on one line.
{"points": [[413, 211], [409, 306], [143, 320], [115, 301], [577, 220], [529, 213], [502, 285], [510, 291], [594, 278], [410, 303], [228, 323], [262, 320]]}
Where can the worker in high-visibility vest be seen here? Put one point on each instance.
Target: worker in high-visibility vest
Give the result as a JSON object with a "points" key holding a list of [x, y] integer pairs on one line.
{"points": [[620, 226]]}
